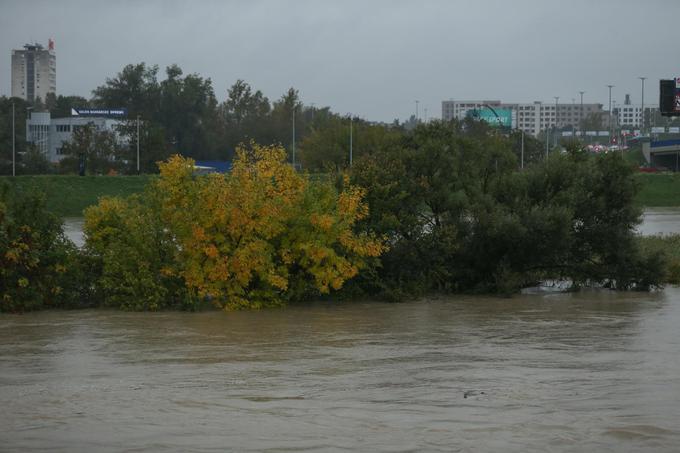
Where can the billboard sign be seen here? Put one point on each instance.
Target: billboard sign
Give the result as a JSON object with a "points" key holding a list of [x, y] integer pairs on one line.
{"points": [[113, 113], [674, 130], [501, 117], [658, 130]]}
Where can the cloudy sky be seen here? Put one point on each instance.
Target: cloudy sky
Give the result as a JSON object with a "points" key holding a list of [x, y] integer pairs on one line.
{"points": [[374, 58]]}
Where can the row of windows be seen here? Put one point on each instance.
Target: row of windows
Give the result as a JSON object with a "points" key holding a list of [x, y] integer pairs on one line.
{"points": [[63, 128]]}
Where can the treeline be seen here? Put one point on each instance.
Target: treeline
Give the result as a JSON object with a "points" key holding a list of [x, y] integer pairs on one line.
{"points": [[443, 208], [179, 114]]}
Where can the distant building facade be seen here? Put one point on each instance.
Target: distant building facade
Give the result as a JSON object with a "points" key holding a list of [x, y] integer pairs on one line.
{"points": [[34, 72], [629, 115], [532, 117], [50, 135]]}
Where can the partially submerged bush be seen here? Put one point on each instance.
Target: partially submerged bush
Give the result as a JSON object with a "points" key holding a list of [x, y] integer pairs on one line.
{"points": [[39, 266], [261, 236]]}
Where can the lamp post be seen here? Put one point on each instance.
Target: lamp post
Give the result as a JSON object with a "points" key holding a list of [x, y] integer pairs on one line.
{"points": [[557, 98], [137, 144], [294, 109], [642, 107], [610, 112], [351, 127], [14, 151], [522, 151], [580, 114]]}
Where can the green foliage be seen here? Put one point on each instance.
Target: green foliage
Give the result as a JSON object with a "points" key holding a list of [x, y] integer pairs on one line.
{"points": [[326, 147], [91, 151], [39, 267], [20, 113], [132, 254], [460, 217], [668, 248]]}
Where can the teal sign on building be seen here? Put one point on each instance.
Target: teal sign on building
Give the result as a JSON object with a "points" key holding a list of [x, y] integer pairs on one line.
{"points": [[502, 117]]}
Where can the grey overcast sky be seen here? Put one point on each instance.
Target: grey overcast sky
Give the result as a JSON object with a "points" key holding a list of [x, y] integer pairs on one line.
{"points": [[373, 58]]}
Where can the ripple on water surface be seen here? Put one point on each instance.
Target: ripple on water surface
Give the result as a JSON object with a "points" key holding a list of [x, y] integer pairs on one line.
{"points": [[593, 371]]}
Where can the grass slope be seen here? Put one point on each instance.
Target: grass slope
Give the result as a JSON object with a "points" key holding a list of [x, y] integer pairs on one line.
{"points": [[659, 189], [68, 195]]}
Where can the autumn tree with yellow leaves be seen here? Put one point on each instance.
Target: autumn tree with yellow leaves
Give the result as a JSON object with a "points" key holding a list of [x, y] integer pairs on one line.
{"points": [[260, 236]]}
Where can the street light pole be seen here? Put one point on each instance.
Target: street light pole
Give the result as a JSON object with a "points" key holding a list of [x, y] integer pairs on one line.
{"points": [[137, 144], [14, 164], [522, 161], [642, 107], [351, 126], [294, 109], [610, 112], [557, 98], [580, 114]]}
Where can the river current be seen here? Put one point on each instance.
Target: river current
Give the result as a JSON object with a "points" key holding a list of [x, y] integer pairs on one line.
{"points": [[587, 371]]}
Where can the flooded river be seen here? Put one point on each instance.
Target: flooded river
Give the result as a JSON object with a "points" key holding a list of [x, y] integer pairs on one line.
{"points": [[593, 371]]}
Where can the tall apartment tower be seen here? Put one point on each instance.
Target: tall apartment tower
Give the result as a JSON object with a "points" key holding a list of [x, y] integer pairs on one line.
{"points": [[34, 72]]}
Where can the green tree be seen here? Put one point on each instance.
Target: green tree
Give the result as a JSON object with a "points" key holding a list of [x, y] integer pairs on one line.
{"points": [[38, 264], [6, 131], [91, 151], [188, 113]]}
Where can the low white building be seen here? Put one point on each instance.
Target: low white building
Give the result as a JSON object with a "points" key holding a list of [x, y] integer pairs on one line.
{"points": [[50, 134]]}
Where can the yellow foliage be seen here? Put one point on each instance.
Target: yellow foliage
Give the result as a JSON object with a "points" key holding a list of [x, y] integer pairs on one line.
{"points": [[245, 237]]}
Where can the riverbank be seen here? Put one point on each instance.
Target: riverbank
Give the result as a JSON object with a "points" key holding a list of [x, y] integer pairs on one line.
{"points": [[69, 195]]}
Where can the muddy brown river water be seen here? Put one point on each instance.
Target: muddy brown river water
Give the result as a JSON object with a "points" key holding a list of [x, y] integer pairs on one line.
{"points": [[590, 371]]}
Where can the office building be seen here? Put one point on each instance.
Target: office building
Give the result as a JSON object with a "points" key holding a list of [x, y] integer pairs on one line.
{"points": [[34, 72], [50, 134], [532, 117]]}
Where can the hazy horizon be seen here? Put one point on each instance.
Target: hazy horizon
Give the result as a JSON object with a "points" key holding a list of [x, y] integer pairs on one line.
{"points": [[374, 59]]}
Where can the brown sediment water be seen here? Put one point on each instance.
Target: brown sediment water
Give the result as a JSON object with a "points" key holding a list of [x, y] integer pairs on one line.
{"points": [[588, 371]]}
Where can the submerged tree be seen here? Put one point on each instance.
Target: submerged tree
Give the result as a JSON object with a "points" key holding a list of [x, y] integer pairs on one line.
{"points": [[261, 236]]}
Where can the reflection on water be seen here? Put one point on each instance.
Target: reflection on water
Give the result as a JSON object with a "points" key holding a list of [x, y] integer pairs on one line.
{"points": [[593, 371], [73, 229]]}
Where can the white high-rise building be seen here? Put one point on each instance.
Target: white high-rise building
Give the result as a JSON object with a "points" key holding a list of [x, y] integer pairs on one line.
{"points": [[34, 72]]}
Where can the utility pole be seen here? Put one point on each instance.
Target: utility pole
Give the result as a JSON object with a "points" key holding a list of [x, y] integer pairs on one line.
{"points": [[642, 107], [580, 114], [417, 111], [557, 98], [14, 151], [610, 112], [351, 126], [137, 144], [522, 159], [294, 108]]}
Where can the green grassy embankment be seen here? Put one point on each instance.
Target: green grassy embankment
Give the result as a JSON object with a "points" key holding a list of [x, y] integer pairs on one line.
{"points": [[659, 189], [69, 195]]}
